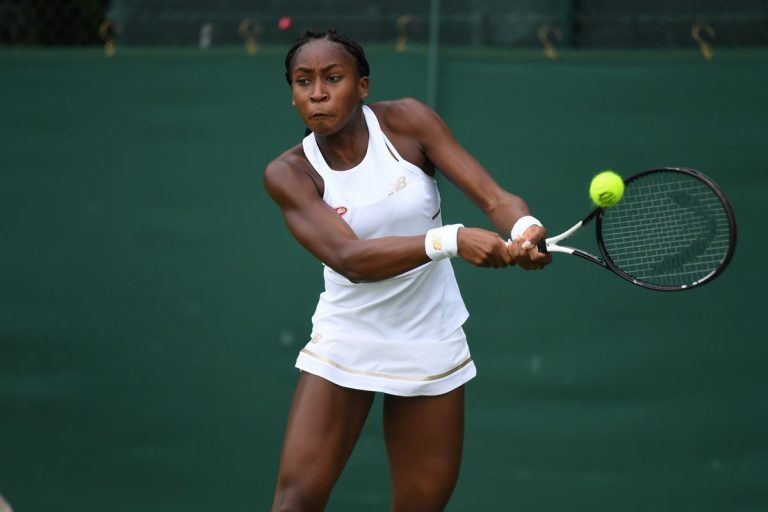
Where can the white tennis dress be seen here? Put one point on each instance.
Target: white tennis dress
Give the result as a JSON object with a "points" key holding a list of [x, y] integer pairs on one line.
{"points": [[402, 335]]}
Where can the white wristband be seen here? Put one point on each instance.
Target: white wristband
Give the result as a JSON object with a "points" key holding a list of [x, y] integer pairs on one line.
{"points": [[522, 224], [442, 242]]}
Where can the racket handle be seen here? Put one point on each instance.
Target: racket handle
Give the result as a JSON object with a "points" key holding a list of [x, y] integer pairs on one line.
{"points": [[542, 246]]}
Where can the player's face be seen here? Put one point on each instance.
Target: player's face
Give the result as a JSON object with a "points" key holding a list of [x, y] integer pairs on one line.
{"points": [[325, 86]]}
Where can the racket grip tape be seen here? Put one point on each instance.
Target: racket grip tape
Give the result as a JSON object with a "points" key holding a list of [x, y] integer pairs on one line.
{"points": [[542, 246]]}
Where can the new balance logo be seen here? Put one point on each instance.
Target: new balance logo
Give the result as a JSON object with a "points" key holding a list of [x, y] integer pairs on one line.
{"points": [[400, 184]]}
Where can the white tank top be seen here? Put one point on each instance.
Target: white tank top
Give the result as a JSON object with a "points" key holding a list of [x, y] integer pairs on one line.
{"points": [[383, 196]]}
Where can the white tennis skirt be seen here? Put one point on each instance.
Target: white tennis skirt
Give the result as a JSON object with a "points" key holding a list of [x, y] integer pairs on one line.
{"points": [[396, 368]]}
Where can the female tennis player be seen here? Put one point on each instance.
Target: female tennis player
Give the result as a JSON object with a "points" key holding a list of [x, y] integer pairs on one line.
{"points": [[359, 193]]}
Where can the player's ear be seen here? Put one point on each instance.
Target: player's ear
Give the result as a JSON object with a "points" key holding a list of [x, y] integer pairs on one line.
{"points": [[363, 87]]}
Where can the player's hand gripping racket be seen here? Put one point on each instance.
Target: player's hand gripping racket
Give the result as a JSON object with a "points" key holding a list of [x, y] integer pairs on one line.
{"points": [[673, 230]]}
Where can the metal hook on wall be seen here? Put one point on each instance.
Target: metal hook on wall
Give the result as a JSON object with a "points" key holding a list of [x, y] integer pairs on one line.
{"points": [[107, 34], [401, 28], [704, 45], [250, 30], [546, 31]]}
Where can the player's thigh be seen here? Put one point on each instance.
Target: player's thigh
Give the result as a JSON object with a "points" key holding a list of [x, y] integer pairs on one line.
{"points": [[424, 437], [323, 426]]}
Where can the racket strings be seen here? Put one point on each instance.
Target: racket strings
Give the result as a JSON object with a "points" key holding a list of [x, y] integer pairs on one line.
{"points": [[669, 230]]}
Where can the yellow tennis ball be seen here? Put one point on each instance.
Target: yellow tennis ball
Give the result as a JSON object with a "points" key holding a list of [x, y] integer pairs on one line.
{"points": [[606, 189]]}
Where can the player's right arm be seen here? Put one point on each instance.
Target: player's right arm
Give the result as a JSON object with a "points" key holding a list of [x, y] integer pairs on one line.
{"points": [[319, 228]]}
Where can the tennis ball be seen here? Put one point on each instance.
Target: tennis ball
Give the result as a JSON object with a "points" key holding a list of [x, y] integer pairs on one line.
{"points": [[606, 189]]}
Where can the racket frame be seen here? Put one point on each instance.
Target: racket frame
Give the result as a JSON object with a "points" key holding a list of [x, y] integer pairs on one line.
{"points": [[551, 244]]}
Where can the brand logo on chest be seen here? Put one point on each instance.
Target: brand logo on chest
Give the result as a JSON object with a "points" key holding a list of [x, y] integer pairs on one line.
{"points": [[341, 210], [400, 184]]}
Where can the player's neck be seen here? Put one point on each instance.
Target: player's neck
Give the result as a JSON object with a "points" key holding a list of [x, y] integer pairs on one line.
{"points": [[346, 148]]}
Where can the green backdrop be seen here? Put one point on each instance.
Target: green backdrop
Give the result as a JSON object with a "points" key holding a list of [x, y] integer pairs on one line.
{"points": [[152, 302]]}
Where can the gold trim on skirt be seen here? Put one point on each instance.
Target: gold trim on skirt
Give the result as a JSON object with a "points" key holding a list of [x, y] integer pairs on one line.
{"points": [[343, 368]]}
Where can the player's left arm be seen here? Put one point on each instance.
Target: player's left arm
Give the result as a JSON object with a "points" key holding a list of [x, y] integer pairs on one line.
{"points": [[440, 147]]}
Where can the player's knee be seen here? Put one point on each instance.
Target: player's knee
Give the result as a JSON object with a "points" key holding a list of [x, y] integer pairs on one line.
{"points": [[423, 495], [293, 497]]}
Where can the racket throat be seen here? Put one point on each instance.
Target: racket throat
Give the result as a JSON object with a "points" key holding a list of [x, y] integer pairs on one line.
{"points": [[551, 246], [587, 256]]}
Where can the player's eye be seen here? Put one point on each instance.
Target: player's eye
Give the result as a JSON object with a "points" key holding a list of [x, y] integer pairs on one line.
{"points": [[301, 81], [334, 78]]}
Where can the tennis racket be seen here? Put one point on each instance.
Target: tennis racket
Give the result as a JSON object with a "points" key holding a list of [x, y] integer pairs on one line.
{"points": [[673, 230]]}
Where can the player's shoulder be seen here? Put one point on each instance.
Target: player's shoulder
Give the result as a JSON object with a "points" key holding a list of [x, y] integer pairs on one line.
{"points": [[404, 115], [402, 107], [291, 161], [291, 158], [286, 169], [397, 105]]}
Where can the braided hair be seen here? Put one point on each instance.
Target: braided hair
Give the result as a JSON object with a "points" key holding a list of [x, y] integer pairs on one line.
{"points": [[351, 46]]}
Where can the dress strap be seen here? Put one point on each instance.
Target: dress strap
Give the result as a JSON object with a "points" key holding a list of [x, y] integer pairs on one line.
{"points": [[373, 123], [315, 157]]}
